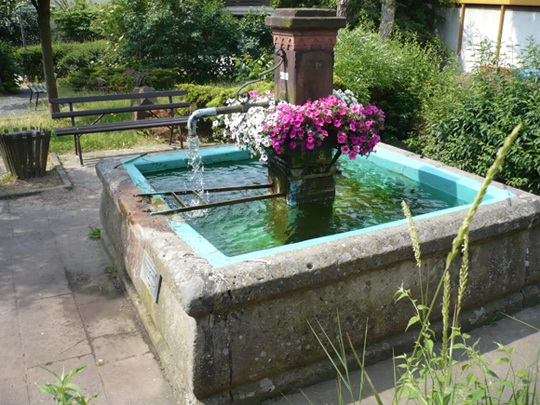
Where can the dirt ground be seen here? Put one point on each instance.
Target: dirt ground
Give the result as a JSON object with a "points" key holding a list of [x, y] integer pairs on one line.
{"points": [[51, 179]]}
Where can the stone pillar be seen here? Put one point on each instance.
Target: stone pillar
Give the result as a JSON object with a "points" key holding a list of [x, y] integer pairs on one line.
{"points": [[308, 37]]}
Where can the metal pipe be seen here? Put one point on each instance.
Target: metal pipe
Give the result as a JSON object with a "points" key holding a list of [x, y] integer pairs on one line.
{"points": [[210, 112]]}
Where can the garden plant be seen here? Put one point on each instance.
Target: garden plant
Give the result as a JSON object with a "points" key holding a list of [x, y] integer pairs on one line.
{"points": [[455, 371]]}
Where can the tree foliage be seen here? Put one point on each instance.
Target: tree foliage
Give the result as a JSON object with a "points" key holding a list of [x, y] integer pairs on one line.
{"points": [[77, 22], [200, 38], [13, 14], [9, 82], [413, 18]]}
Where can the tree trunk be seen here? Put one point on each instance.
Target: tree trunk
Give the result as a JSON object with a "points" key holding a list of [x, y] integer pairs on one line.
{"points": [[388, 13], [343, 9], [43, 8]]}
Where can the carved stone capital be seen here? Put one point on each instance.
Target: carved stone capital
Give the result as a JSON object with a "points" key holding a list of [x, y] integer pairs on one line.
{"points": [[313, 41]]}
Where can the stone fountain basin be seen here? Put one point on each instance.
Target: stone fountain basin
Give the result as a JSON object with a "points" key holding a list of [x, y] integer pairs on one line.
{"points": [[237, 330]]}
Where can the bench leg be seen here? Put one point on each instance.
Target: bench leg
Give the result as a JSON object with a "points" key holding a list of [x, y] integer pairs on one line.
{"points": [[78, 151], [31, 95], [37, 101]]}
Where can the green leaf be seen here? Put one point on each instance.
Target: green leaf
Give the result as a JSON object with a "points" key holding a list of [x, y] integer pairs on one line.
{"points": [[415, 319]]}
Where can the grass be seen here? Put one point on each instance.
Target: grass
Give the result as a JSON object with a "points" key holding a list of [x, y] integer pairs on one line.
{"points": [[95, 233], [92, 142], [7, 179]]}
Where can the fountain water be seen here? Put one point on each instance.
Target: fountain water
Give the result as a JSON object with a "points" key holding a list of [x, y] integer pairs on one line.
{"points": [[233, 329]]}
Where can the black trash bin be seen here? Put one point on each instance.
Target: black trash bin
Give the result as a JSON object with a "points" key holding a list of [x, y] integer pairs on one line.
{"points": [[25, 152]]}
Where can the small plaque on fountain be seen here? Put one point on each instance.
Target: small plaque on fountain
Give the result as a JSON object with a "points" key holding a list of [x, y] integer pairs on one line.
{"points": [[150, 276]]}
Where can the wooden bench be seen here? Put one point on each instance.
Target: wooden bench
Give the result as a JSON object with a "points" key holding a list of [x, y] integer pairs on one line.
{"points": [[37, 89], [78, 130]]}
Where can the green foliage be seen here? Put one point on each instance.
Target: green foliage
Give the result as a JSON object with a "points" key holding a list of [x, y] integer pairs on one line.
{"points": [[11, 18], [95, 233], [68, 57], [249, 68], [466, 120], [77, 22], [529, 56], [64, 392], [121, 79], [9, 81], [198, 38], [203, 96], [392, 74], [254, 36], [31, 65], [79, 56], [303, 4]]}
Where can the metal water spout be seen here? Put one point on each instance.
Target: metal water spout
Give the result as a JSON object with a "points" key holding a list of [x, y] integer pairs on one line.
{"points": [[214, 111]]}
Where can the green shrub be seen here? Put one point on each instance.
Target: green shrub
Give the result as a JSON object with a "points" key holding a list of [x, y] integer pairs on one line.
{"points": [[31, 65], [80, 56], [255, 37], [202, 39], [391, 74], [466, 120], [529, 56], [203, 96], [77, 22], [196, 37], [9, 81], [121, 79], [68, 57]]}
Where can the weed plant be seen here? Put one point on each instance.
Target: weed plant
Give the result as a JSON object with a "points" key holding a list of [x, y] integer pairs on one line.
{"points": [[433, 375], [63, 391]]}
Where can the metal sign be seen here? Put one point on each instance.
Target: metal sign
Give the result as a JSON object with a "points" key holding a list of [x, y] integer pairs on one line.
{"points": [[150, 276]]}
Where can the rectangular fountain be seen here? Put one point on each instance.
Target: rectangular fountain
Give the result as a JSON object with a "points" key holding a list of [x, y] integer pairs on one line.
{"points": [[234, 328]]}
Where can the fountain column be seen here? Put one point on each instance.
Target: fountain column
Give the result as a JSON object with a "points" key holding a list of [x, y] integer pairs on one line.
{"points": [[308, 37]]}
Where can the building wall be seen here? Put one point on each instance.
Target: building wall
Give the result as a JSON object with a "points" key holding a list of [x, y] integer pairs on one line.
{"points": [[482, 22]]}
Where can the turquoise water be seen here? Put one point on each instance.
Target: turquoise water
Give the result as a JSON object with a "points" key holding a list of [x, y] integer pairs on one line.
{"points": [[367, 195]]}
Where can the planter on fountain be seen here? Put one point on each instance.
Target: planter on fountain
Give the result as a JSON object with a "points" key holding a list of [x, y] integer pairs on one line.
{"points": [[304, 176]]}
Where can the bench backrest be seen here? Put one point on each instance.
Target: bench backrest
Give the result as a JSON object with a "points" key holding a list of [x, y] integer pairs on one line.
{"points": [[110, 97], [170, 105]]}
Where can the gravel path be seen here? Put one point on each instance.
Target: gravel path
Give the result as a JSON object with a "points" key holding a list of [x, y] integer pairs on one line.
{"points": [[18, 104]]}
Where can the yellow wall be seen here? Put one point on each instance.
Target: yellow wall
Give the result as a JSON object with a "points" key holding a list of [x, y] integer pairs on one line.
{"points": [[527, 3]]}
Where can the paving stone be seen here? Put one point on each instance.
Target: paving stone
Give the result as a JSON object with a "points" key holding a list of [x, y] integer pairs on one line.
{"points": [[118, 347], [107, 315], [9, 320], [14, 391], [136, 381], [51, 330], [40, 278], [11, 358]]}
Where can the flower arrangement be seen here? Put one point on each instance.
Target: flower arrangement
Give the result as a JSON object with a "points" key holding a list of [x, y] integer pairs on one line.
{"points": [[337, 120]]}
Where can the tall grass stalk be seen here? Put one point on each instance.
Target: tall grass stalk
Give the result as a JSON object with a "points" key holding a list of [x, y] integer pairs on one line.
{"points": [[431, 376]]}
